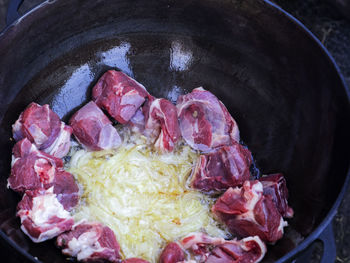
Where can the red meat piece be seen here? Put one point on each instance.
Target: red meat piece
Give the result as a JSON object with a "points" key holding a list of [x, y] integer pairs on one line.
{"points": [[225, 167], [204, 248], [120, 95], [247, 250], [205, 123], [172, 253], [43, 127], [42, 215], [37, 123], [161, 124], [276, 186], [90, 242], [93, 129], [247, 212], [33, 170]]}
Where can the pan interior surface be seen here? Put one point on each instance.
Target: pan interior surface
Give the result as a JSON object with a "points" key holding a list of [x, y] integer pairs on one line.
{"points": [[275, 80]]}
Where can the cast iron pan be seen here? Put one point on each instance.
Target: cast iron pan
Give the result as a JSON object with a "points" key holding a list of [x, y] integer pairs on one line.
{"points": [[275, 77]]}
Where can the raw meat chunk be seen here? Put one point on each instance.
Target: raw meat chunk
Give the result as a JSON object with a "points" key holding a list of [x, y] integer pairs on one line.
{"points": [[33, 170], [172, 253], [161, 124], [90, 242], [247, 212], [43, 128], [224, 167], [276, 186], [247, 250], [204, 248], [42, 215], [37, 123], [22, 149], [120, 95], [93, 129], [205, 123]]}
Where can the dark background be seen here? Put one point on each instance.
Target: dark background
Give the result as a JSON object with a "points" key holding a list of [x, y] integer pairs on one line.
{"points": [[329, 20]]}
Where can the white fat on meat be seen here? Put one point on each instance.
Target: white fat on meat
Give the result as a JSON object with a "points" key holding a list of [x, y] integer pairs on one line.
{"points": [[38, 136], [252, 196], [83, 246], [44, 236], [61, 145], [131, 99], [152, 126], [161, 126], [32, 118], [193, 239], [90, 242], [258, 241], [45, 207], [14, 160], [160, 143], [253, 214], [33, 148], [205, 247], [16, 128], [282, 225]]}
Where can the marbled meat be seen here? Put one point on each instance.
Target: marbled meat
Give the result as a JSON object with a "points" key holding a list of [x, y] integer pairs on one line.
{"points": [[93, 129], [43, 127]]}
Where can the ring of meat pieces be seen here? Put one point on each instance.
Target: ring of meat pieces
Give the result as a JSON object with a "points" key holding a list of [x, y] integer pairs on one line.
{"points": [[252, 209]]}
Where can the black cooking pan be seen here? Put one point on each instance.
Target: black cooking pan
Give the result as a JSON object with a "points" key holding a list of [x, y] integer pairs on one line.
{"points": [[275, 77]]}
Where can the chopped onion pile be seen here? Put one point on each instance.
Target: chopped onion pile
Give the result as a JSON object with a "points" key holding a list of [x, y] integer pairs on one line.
{"points": [[142, 196]]}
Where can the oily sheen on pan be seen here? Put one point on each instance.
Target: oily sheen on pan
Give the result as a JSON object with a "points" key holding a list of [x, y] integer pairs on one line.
{"points": [[144, 180]]}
